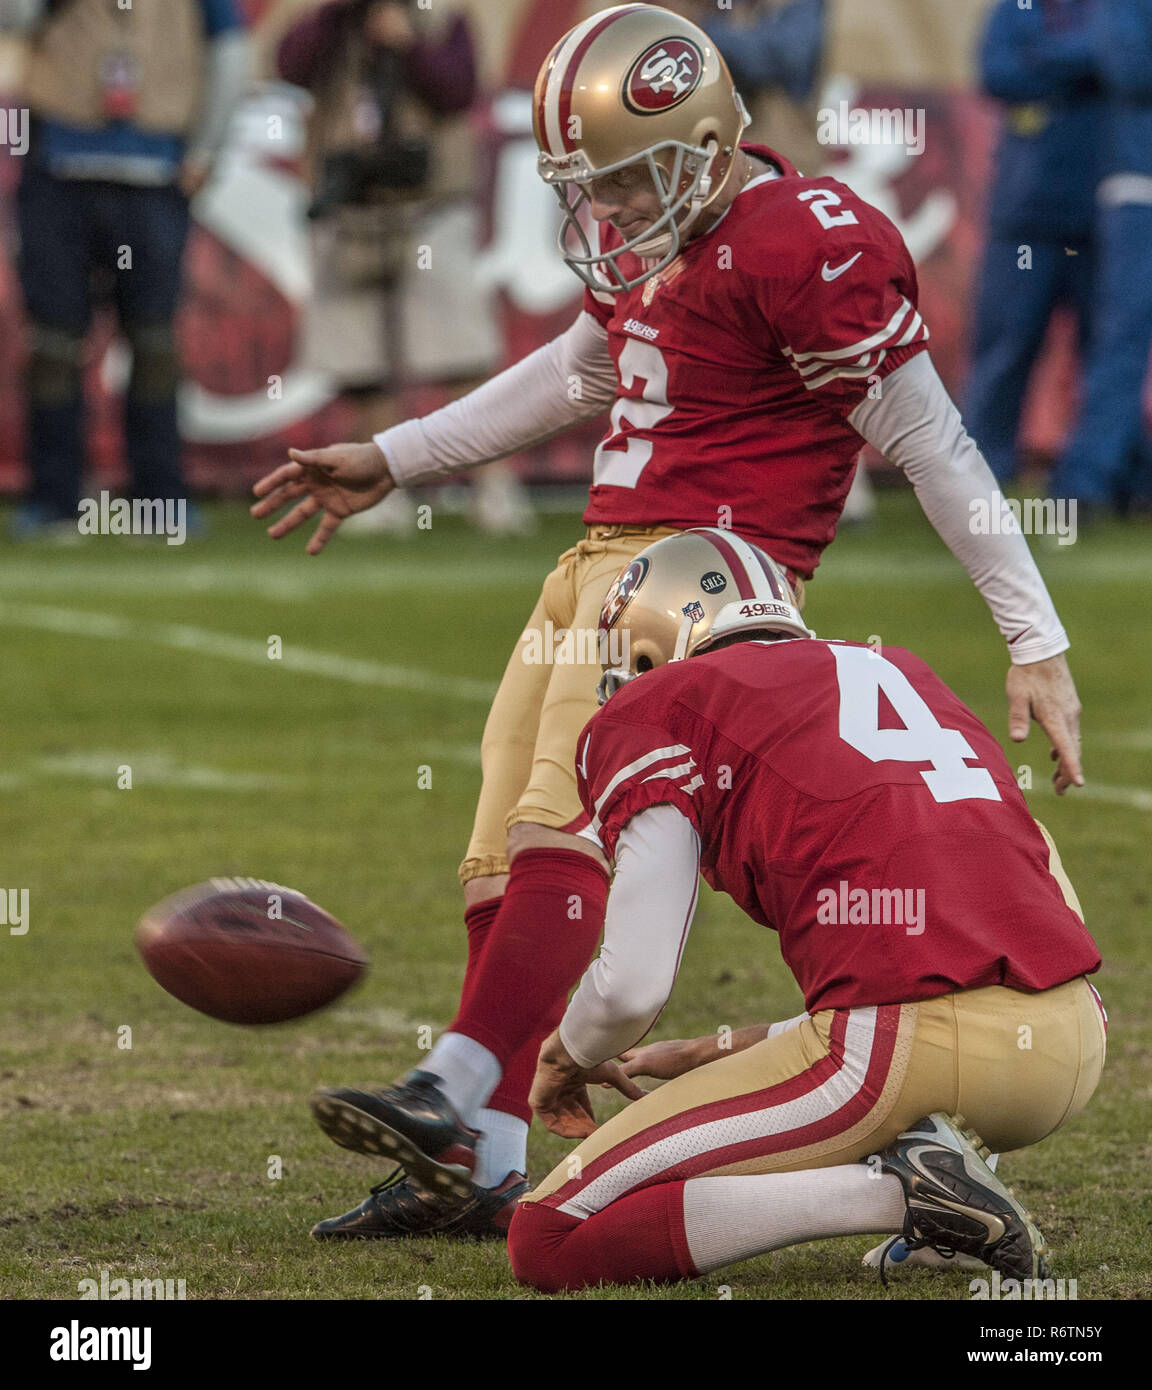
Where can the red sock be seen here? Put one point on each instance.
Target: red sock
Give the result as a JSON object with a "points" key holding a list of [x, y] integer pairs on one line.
{"points": [[511, 1095], [478, 919], [639, 1237], [535, 950]]}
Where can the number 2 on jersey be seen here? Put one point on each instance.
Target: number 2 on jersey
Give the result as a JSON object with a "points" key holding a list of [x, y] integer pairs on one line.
{"points": [[621, 465], [862, 674], [825, 199]]}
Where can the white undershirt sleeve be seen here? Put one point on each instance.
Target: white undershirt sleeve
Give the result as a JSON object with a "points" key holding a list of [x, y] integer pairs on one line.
{"points": [[650, 909], [916, 427], [570, 379]]}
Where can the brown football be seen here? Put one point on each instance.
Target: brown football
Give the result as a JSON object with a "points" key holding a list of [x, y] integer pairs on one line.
{"points": [[246, 951]]}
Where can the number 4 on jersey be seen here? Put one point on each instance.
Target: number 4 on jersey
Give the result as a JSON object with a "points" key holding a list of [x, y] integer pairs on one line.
{"points": [[861, 675]]}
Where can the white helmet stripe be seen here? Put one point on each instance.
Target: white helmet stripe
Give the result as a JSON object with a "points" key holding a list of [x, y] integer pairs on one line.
{"points": [[556, 81], [563, 75]]}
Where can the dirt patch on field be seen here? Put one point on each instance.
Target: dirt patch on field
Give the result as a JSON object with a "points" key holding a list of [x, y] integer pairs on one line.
{"points": [[99, 1211]]}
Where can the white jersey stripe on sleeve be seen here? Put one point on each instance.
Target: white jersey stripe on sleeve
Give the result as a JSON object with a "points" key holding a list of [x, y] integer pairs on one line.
{"points": [[911, 332], [675, 750], [821, 365], [681, 770], [846, 373], [890, 329]]}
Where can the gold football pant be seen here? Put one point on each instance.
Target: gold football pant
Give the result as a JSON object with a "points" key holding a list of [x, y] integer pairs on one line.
{"points": [[528, 751], [841, 1085]]}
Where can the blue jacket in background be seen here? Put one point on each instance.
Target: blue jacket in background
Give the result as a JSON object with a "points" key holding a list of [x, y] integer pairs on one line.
{"points": [[1123, 51], [1042, 63]]}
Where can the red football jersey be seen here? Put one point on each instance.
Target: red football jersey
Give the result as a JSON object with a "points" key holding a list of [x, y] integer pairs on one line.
{"points": [[739, 364], [853, 803]]}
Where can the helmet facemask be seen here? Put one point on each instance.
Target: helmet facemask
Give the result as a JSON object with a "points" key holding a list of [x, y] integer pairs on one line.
{"points": [[690, 166]]}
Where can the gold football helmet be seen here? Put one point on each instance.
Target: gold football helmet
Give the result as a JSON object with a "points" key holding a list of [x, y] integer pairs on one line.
{"points": [[635, 86], [680, 595]]}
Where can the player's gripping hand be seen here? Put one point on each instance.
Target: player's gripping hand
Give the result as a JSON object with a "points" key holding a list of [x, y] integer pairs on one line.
{"points": [[559, 1093], [663, 1060], [1043, 690], [675, 1056], [337, 481]]}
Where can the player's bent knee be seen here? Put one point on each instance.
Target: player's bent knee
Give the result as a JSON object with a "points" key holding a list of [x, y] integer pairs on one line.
{"points": [[479, 890], [535, 1247], [527, 835]]}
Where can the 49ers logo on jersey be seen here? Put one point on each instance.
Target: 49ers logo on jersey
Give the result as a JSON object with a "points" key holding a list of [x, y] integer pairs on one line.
{"points": [[622, 591], [663, 76]]}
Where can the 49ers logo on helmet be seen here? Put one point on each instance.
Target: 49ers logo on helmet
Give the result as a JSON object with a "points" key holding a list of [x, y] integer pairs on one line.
{"points": [[622, 591], [663, 76]]}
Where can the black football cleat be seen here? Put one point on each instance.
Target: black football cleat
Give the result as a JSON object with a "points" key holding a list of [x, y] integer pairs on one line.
{"points": [[398, 1210], [956, 1204], [412, 1123]]}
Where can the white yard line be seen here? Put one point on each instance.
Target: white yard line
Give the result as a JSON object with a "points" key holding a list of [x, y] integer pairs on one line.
{"points": [[157, 770], [275, 579], [1139, 740], [1137, 798], [251, 650]]}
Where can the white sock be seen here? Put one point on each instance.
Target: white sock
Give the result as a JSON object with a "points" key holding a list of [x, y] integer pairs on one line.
{"points": [[728, 1219], [468, 1073], [503, 1147]]}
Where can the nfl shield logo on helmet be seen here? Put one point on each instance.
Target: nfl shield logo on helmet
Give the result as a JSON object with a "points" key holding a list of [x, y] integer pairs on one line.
{"points": [[693, 610]]}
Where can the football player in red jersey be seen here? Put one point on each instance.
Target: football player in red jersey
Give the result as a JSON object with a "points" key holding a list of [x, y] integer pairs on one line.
{"points": [[750, 329], [848, 800]]}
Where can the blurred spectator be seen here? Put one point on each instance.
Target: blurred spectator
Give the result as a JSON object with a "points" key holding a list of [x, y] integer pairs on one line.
{"points": [[774, 50], [1108, 461], [395, 221], [129, 106], [1041, 63]]}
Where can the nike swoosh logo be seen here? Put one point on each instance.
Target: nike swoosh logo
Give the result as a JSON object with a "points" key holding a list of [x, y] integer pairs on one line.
{"points": [[584, 758], [840, 269]]}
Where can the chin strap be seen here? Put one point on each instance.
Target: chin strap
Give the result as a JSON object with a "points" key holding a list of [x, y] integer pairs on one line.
{"points": [[660, 246], [686, 626]]}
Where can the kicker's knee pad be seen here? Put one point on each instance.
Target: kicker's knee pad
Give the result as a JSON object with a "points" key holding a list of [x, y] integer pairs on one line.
{"points": [[156, 367], [54, 372]]}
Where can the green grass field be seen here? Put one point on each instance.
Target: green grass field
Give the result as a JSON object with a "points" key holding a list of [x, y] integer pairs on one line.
{"points": [[153, 1161]]}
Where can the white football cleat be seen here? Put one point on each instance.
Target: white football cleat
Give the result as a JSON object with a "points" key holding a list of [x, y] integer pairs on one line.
{"points": [[924, 1258]]}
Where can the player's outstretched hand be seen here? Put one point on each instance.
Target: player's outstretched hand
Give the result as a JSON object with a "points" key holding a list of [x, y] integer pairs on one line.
{"points": [[336, 481], [1043, 690], [560, 1090]]}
